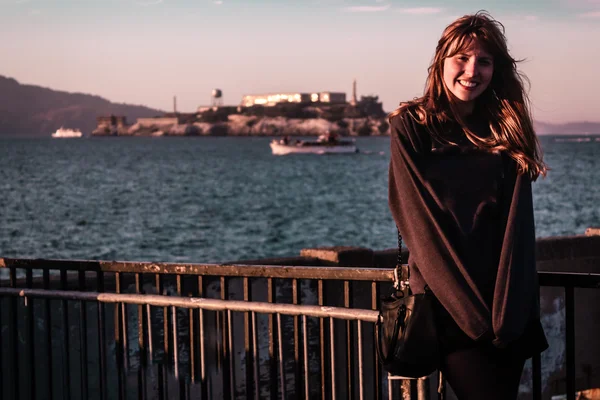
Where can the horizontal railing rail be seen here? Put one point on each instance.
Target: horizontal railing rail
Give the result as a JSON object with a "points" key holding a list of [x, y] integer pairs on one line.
{"points": [[198, 303], [229, 270]]}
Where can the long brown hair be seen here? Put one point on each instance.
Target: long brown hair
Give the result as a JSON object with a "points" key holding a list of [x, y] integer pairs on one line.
{"points": [[504, 103]]}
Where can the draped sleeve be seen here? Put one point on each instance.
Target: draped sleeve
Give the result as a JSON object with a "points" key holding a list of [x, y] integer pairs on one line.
{"points": [[516, 296]]}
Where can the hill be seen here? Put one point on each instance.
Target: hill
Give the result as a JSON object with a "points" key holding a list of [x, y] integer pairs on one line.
{"points": [[28, 110], [570, 128]]}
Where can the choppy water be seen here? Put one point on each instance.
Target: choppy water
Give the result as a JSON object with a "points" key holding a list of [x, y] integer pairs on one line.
{"points": [[223, 199]]}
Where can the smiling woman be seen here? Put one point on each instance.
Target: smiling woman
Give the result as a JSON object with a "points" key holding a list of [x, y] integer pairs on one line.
{"points": [[462, 160]]}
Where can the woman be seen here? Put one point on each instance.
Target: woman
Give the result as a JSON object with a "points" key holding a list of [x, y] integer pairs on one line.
{"points": [[462, 160]]}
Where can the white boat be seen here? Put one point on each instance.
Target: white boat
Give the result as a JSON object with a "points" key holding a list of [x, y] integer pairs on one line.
{"points": [[325, 144], [67, 133]]}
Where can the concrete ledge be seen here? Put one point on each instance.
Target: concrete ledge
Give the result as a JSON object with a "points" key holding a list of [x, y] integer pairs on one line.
{"points": [[579, 253], [341, 255], [592, 231]]}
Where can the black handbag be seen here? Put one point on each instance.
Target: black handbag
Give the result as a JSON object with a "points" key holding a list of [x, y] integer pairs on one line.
{"points": [[407, 343]]}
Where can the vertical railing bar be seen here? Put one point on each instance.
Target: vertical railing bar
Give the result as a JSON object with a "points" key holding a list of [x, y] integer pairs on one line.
{"points": [[221, 315], [306, 365], [349, 341], [119, 339], [272, 360], [124, 324], [30, 333], [141, 375], [203, 380], [2, 383], [297, 353], [2, 380], [224, 347], [48, 330], [378, 377], [150, 346], [280, 356], [361, 389], [174, 339], [159, 365], [332, 351], [442, 386], [67, 354], [423, 388], [193, 350], [29, 306], [536, 378], [248, 341], [322, 343], [163, 382], [219, 336], [570, 339], [14, 329], [231, 355], [83, 354], [187, 390], [101, 337], [181, 379], [255, 358]]}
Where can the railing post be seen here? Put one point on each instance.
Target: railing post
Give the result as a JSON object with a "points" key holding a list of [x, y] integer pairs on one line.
{"points": [[570, 339]]}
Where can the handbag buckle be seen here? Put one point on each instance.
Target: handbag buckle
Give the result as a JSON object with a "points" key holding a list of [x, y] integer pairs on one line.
{"points": [[399, 283]]}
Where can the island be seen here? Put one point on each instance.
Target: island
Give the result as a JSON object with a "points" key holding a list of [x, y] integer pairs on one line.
{"points": [[270, 114]]}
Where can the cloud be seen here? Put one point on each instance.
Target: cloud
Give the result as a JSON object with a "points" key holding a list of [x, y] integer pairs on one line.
{"points": [[367, 8], [148, 2], [218, 2], [420, 10], [590, 14]]}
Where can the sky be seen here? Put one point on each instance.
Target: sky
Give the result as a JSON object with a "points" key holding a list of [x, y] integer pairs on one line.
{"points": [[147, 51]]}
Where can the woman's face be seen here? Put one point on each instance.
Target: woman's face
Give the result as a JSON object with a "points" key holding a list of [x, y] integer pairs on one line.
{"points": [[468, 73]]}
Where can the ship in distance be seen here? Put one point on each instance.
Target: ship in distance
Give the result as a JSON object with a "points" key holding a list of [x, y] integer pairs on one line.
{"points": [[328, 143]]}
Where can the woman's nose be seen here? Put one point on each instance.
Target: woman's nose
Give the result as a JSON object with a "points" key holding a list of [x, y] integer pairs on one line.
{"points": [[471, 68]]}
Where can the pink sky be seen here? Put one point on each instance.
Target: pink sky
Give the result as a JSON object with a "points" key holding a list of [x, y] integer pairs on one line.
{"points": [[147, 51]]}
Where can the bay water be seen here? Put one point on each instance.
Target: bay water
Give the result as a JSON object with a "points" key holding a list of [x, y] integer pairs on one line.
{"points": [[217, 199]]}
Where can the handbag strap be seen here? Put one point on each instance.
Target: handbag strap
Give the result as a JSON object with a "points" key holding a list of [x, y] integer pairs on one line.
{"points": [[400, 282]]}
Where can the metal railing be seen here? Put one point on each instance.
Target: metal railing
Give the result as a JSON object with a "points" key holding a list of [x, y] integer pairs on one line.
{"points": [[202, 330], [569, 281]]}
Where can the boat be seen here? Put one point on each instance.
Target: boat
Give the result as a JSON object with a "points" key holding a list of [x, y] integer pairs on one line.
{"points": [[67, 133], [325, 144]]}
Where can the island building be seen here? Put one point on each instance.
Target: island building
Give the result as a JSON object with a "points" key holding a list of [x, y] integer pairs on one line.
{"points": [[112, 121], [110, 125], [272, 99]]}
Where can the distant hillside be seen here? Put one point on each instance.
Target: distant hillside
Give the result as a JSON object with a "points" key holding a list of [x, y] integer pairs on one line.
{"points": [[27, 110], [570, 128]]}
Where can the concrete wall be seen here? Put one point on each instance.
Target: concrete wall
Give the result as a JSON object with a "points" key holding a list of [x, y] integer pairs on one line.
{"points": [[149, 122]]}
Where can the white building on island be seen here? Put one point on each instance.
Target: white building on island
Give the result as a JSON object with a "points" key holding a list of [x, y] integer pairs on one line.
{"points": [[271, 99]]}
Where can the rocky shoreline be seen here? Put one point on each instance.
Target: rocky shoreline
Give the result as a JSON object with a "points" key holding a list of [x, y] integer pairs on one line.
{"points": [[241, 125]]}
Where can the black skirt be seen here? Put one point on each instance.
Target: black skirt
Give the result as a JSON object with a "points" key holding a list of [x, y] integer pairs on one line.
{"points": [[452, 338]]}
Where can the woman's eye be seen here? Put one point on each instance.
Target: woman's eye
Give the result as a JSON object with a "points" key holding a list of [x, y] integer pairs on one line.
{"points": [[463, 58], [485, 62]]}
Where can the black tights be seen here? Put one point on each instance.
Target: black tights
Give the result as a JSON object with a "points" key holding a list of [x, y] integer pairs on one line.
{"points": [[483, 374]]}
